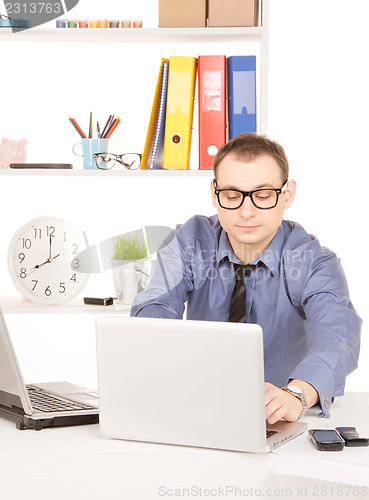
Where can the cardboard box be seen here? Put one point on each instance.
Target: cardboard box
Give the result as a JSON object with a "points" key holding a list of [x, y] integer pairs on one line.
{"points": [[233, 12], [182, 13]]}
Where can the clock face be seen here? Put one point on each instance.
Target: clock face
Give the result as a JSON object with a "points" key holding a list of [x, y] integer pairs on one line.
{"points": [[44, 263]]}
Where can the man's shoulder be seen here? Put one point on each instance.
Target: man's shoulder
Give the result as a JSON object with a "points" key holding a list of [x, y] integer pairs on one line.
{"points": [[302, 245], [200, 227]]}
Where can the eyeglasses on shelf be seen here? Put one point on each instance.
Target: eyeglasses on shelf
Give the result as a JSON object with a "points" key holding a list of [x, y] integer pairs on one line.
{"points": [[106, 161]]}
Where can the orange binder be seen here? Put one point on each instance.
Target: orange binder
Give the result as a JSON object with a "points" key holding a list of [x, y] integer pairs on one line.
{"points": [[152, 123], [179, 112], [212, 108]]}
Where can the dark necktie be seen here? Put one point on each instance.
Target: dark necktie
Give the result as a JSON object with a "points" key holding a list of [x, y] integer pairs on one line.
{"points": [[238, 300]]}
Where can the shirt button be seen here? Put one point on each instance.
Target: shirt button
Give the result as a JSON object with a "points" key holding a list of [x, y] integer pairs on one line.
{"points": [[326, 402]]}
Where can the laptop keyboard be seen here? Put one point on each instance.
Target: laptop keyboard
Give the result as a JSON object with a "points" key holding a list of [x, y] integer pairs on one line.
{"points": [[270, 433], [45, 402]]}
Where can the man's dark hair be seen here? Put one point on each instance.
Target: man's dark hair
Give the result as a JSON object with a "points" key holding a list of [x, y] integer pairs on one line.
{"points": [[246, 147]]}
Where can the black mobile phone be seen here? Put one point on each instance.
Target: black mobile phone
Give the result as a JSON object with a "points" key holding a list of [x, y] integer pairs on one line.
{"points": [[97, 301], [327, 439], [351, 437]]}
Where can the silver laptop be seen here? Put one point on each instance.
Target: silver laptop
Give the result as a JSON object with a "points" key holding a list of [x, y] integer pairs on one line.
{"points": [[194, 383], [43, 405]]}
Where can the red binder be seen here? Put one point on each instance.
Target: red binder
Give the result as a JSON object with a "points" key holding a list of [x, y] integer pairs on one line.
{"points": [[212, 108]]}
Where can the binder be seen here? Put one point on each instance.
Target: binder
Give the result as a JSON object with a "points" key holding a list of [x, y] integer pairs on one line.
{"points": [[241, 94], [151, 153], [212, 108], [179, 112], [157, 150]]}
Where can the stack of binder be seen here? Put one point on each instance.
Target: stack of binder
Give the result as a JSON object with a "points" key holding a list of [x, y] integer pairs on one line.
{"points": [[154, 146], [168, 136], [241, 95], [212, 108]]}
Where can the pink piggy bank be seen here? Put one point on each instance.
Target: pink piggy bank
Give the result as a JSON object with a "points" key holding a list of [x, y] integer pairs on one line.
{"points": [[12, 152]]}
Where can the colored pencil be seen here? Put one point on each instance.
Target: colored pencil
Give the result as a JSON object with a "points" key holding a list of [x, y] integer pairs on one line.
{"points": [[110, 124], [109, 128], [113, 127], [90, 127], [77, 127], [106, 124]]}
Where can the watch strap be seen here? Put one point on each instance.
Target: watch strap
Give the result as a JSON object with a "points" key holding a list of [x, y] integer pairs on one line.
{"points": [[300, 395]]}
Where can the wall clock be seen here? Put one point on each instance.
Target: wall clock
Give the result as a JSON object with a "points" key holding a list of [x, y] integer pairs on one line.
{"points": [[44, 262]]}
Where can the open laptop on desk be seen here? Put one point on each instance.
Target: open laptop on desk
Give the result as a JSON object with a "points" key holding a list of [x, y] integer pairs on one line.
{"points": [[43, 405], [195, 383]]}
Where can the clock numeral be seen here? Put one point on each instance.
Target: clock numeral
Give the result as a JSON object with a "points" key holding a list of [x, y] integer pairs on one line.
{"points": [[75, 246], [73, 278], [26, 243], [61, 287], [38, 233], [75, 263], [47, 291], [35, 284], [21, 257], [50, 230], [23, 273]]}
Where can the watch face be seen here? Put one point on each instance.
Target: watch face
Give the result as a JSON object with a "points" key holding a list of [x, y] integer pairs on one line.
{"points": [[43, 260], [293, 388]]}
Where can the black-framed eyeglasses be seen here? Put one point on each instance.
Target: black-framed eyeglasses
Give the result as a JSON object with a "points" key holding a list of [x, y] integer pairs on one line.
{"points": [[265, 199], [106, 161]]}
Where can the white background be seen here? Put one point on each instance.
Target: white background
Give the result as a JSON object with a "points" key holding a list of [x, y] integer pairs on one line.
{"points": [[318, 109]]}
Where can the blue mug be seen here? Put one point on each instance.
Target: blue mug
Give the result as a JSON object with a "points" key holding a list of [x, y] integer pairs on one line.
{"points": [[89, 148]]}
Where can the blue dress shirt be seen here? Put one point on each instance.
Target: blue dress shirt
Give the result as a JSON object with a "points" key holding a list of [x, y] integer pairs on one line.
{"points": [[297, 292]]}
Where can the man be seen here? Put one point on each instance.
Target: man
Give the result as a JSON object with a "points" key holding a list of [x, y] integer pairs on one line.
{"points": [[290, 285]]}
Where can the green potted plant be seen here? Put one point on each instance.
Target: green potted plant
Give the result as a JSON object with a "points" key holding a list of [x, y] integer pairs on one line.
{"points": [[131, 266]]}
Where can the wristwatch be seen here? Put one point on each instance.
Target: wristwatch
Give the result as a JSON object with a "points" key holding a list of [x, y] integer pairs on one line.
{"points": [[298, 393]]}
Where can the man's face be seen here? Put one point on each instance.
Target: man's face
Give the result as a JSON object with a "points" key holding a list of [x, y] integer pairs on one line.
{"points": [[250, 229]]}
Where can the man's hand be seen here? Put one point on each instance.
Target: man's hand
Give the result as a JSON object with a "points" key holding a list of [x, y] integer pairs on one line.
{"points": [[279, 404]]}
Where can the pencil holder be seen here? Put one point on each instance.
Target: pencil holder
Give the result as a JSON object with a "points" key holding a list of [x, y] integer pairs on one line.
{"points": [[89, 148]]}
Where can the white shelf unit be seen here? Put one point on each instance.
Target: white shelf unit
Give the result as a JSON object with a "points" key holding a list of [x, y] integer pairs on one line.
{"points": [[117, 35], [115, 172], [17, 305], [258, 34], [239, 37]]}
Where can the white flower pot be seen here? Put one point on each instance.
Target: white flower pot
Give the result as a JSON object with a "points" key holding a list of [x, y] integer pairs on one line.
{"points": [[130, 278]]}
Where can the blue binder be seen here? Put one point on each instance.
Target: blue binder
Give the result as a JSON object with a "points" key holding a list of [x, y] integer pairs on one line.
{"points": [[241, 94]]}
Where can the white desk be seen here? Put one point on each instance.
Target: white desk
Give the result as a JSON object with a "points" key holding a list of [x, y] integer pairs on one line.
{"points": [[76, 462]]}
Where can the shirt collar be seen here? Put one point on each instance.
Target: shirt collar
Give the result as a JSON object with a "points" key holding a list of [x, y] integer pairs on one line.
{"points": [[225, 250], [271, 256]]}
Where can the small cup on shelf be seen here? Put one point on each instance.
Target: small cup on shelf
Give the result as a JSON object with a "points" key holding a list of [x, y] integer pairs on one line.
{"points": [[89, 148], [113, 24], [102, 23]]}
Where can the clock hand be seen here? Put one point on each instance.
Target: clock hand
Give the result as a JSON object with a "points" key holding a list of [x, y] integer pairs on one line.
{"points": [[38, 266], [42, 264], [46, 261]]}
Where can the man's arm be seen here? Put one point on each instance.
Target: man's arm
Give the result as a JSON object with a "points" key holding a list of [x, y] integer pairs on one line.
{"points": [[280, 404], [170, 283], [332, 327]]}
